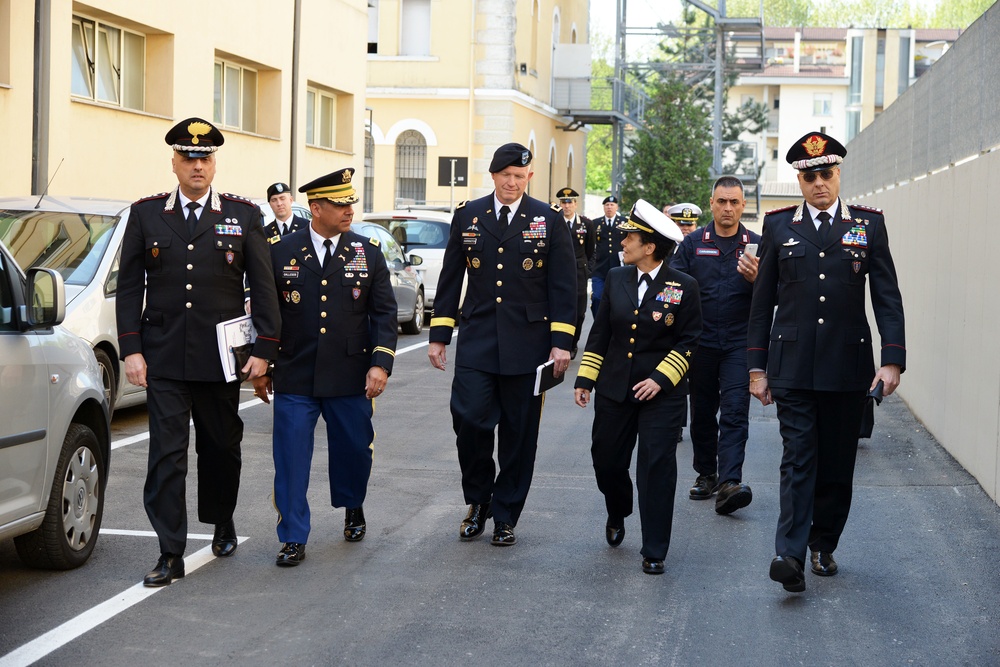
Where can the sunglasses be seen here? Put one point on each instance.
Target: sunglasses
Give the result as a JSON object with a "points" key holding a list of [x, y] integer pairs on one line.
{"points": [[810, 176]]}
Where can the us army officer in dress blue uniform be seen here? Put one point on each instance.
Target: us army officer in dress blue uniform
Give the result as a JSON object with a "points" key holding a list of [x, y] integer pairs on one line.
{"points": [[607, 249], [813, 356], [279, 198], [581, 229], [338, 342], [638, 351], [519, 311], [186, 253]]}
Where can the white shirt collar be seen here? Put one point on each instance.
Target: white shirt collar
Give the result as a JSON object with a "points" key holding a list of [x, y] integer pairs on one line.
{"points": [[202, 202], [654, 272], [814, 212], [513, 207], [318, 246]]}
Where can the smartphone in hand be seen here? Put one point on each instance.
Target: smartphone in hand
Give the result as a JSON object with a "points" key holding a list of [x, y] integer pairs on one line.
{"points": [[750, 249]]}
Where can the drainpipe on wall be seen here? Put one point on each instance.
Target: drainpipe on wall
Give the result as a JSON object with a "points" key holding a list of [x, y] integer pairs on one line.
{"points": [[41, 97], [294, 125]]}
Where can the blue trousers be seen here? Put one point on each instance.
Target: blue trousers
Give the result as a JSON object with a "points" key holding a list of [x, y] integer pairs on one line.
{"points": [[350, 436], [596, 290], [719, 384]]}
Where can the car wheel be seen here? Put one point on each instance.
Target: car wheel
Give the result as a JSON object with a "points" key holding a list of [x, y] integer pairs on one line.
{"points": [[72, 522], [108, 378], [416, 325]]}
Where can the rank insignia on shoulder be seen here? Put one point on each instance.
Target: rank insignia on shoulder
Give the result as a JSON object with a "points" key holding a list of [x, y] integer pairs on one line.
{"points": [[866, 208], [555, 207], [374, 242], [274, 239], [158, 195], [462, 204], [779, 210]]}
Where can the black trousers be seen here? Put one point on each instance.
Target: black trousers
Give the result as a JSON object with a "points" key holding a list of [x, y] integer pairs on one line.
{"points": [[819, 433], [581, 311], [218, 433], [480, 403], [719, 386], [657, 424]]}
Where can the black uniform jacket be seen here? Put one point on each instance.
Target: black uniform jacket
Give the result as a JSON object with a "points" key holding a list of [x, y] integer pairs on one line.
{"points": [[607, 245], [337, 323], [191, 283], [582, 231], [521, 296], [820, 338], [273, 230], [628, 344]]}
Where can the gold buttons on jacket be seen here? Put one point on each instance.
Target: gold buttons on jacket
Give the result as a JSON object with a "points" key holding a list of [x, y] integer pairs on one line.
{"points": [[820, 320], [323, 298], [499, 299], [635, 312], [322, 330], [190, 266], [188, 286], [822, 254], [499, 283], [323, 314], [631, 340], [822, 299], [500, 266], [323, 282], [633, 327], [629, 355], [822, 276], [187, 305], [500, 250], [190, 246]]}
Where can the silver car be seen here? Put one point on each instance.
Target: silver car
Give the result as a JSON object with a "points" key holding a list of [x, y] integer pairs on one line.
{"points": [[55, 445], [406, 282], [421, 231], [81, 239]]}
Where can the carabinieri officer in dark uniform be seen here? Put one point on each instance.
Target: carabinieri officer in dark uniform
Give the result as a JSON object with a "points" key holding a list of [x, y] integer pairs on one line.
{"points": [[638, 351], [813, 356], [519, 311], [607, 249], [581, 229], [186, 252], [338, 341]]}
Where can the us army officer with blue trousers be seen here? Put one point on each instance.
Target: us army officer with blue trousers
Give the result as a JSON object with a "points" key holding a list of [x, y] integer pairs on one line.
{"points": [[335, 359]]}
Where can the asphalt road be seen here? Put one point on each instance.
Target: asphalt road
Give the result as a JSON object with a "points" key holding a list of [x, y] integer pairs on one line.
{"points": [[918, 583]]}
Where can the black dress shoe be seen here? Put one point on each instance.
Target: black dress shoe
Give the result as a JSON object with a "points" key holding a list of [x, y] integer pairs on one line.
{"points": [[475, 521], [614, 531], [503, 535], [823, 563], [652, 566], [704, 487], [787, 571], [291, 554], [168, 568], [732, 496], [224, 542], [354, 525]]}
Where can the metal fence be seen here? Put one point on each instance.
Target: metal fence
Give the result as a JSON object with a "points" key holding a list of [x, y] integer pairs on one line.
{"points": [[948, 115]]}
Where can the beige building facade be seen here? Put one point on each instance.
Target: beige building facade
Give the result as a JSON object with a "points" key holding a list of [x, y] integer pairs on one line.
{"points": [[106, 79], [835, 80], [451, 80]]}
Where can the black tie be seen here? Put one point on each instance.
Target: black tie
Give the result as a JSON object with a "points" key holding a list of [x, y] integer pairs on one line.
{"points": [[192, 219], [644, 278], [326, 257], [284, 229], [824, 225], [502, 222]]}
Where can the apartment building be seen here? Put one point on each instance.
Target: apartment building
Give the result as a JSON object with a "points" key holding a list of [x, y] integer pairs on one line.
{"points": [[87, 95], [451, 80], [835, 80]]}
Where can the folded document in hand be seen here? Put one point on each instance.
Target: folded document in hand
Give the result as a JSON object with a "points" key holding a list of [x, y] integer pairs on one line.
{"points": [[235, 338], [545, 377]]}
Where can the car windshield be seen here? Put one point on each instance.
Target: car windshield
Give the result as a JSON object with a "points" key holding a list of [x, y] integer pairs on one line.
{"points": [[413, 233], [71, 243]]}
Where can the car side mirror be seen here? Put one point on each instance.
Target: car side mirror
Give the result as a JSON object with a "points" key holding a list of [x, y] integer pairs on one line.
{"points": [[416, 260], [45, 302]]}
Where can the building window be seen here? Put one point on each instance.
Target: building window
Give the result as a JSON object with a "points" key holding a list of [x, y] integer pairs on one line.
{"points": [[415, 28], [411, 168], [369, 193], [880, 71], [823, 104], [904, 64], [533, 54], [372, 26], [853, 123], [108, 63], [235, 96], [329, 118], [857, 60]]}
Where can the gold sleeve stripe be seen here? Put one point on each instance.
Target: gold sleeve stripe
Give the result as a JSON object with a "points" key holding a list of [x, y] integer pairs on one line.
{"points": [[443, 322], [559, 327], [379, 348], [589, 373], [590, 366], [674, 366]]}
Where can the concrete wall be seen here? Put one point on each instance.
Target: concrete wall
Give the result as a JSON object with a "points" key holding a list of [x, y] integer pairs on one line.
{"points": [[931, 161]]}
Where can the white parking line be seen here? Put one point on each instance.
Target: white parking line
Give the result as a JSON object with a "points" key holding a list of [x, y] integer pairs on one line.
{"points": [[142, 437], [90, 619]]}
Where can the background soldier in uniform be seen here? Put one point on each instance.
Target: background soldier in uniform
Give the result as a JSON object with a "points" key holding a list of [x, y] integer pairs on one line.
{"points": [[519, 311], [813, 356], [685, 216], [582, 230], [279, 197], [338, 341], [607, 249], [186, 253]]}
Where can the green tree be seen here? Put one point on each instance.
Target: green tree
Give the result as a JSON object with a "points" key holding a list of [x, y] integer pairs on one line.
{"points": [[599, 137], [958, 13], [668, 161]]}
